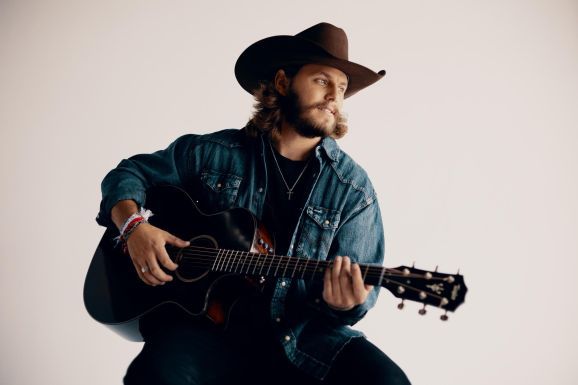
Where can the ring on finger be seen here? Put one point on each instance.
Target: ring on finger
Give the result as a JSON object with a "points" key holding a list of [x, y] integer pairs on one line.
{"points": [[144, 269]]}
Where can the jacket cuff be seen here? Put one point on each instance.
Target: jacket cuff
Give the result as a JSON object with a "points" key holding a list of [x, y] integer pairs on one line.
{"points": [[103, 217], [345, 317]]}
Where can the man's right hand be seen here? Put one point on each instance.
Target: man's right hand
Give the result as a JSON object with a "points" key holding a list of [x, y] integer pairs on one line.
{"points": [[146, 246]]}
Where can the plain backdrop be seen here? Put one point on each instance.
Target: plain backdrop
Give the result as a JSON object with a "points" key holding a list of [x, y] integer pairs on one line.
{"points": [[470, 140]]}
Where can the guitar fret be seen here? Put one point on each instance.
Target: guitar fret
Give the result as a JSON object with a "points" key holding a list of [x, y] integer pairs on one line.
{"points": [[286, 265], [381, 276], [315, 270], [256, 263], [304, 269], [228, 261], [365, 272], [271, 258], [216, 260], [277, 268], [243, 263], [235, 262], [236, 259], [297, 263], [218, 267], [249, 265], [262, 263]]}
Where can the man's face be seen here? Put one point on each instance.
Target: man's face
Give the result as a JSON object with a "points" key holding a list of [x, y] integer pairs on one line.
{"points": [[314, 100]]}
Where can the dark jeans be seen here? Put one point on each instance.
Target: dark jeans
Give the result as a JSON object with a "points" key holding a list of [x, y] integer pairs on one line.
{"points": [[205, 355]]}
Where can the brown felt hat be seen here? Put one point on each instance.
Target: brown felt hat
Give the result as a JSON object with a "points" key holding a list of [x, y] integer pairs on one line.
{"points": [[323, 43]]}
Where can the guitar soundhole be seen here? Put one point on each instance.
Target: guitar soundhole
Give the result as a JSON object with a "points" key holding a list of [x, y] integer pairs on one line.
{"points": [[195, 261]]}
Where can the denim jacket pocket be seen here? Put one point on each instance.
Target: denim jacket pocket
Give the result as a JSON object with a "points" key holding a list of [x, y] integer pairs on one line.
{"points": [[221, 188], [319, 225]]}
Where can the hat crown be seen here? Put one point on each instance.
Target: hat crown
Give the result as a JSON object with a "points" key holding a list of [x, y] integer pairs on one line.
{"points": [[329, 37]]}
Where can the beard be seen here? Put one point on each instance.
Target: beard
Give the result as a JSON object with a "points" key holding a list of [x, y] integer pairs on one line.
{"points": [[295, 113]]}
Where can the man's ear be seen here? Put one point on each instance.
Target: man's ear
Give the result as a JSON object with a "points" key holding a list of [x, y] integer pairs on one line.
{"points": [[281, 82]]}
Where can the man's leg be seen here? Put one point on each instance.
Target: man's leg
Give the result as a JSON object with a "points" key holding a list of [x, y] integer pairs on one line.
{"points": [[360, 359], [187, 355]]}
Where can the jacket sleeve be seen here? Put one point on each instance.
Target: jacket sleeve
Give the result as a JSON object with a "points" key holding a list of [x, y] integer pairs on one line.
{"points": [[133, 176], [361, 238]]}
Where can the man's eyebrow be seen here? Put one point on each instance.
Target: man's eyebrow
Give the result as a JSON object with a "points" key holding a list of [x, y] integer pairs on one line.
{"points": [[330, 77]]}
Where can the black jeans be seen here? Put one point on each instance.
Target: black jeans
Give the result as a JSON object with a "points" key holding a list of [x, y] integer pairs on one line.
{"points": [[205, 355]]}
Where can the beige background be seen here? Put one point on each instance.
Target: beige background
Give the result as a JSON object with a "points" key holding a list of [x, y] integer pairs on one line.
{"points": [[471, 141]]}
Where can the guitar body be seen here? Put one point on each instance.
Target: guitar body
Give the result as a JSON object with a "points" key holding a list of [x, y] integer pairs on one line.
{"points": [[114, 294]]}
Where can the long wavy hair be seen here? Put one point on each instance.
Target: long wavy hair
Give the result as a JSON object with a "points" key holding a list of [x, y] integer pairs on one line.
{"points": [[268, 109]]}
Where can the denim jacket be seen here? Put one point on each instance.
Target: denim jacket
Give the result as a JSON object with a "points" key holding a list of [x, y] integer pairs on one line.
{"points": [[340, 217]]}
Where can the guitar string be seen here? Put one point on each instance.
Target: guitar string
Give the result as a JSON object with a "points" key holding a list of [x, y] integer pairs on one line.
{"points": [[195, 262], [291, 262], [269, 259], [288, 263], [205, 258], [227, 252], [248, 262]]}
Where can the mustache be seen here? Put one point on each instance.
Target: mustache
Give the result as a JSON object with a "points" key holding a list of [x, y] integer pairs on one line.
{"points": [[330, 106]]}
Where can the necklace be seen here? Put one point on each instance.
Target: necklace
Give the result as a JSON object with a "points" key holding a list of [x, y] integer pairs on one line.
{"points": [[289, 189]]}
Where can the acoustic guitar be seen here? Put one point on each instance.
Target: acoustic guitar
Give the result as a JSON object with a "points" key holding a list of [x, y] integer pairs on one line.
{"points": [[229, 255]]}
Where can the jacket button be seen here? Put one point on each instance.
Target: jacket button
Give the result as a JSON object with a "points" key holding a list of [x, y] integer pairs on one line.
{"points": [[317, 300], [277, 319], [326, 222], [287, 338], [260, 189], [283, 283]]}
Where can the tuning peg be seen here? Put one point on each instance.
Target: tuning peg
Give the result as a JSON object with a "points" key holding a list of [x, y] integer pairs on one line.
{"points": [[413, 264], [444, 317], [422, 311], [400, 305], [436, 269]]}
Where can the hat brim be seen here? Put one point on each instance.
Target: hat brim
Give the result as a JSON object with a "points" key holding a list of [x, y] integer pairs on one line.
{"points": [[262, 59]]}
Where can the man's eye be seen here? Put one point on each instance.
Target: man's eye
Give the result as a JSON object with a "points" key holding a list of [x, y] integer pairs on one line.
{"points": [[322, 81]]}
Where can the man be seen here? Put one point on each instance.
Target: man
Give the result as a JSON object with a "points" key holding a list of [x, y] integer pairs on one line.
{"points": [[286, 168]]}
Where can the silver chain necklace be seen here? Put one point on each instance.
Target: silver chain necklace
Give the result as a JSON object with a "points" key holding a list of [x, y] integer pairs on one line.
{"points": [[289, 189]]}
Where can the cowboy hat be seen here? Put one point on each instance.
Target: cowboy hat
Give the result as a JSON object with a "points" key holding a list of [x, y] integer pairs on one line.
{"points": [[322, 43]]}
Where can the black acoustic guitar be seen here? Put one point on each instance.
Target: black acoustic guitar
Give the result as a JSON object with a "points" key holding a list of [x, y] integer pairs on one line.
{"points": [[229, 254]]}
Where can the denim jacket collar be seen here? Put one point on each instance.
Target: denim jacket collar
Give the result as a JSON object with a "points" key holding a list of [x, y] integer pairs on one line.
{"points": [[328, 145]]}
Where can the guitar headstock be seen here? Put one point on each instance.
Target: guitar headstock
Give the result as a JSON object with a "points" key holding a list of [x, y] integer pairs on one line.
{"points": [[446, 291]]}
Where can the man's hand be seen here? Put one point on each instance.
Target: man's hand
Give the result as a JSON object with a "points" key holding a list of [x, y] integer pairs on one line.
{"points": [[146, 246], [343, 286]]}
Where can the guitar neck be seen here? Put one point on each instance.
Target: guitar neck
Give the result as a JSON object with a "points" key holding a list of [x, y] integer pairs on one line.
{"points": [[434, 288]]}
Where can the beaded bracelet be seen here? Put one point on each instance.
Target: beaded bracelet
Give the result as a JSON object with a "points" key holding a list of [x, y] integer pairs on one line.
{"points": [[131, 227], [144, 213], [131, 224]]}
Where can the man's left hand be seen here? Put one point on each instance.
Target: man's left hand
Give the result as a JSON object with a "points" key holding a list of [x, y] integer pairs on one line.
{"points": [[343, 286]]}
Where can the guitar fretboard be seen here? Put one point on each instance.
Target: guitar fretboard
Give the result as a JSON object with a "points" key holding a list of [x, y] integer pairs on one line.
{"points": [[269, 265]]}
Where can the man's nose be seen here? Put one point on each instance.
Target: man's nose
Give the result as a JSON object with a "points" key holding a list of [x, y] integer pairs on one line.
{"points": [[331, 93]]}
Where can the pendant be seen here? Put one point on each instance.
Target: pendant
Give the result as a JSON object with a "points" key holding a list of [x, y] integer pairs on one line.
{"points": [[289, 193]]}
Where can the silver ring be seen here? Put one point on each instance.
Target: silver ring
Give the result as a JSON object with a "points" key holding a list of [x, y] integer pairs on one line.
{"points": [[144, 269]]}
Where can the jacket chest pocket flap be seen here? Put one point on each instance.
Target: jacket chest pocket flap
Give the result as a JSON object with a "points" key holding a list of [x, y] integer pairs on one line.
{"points": [[318, 230], [222, 188], [327, 219]]}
